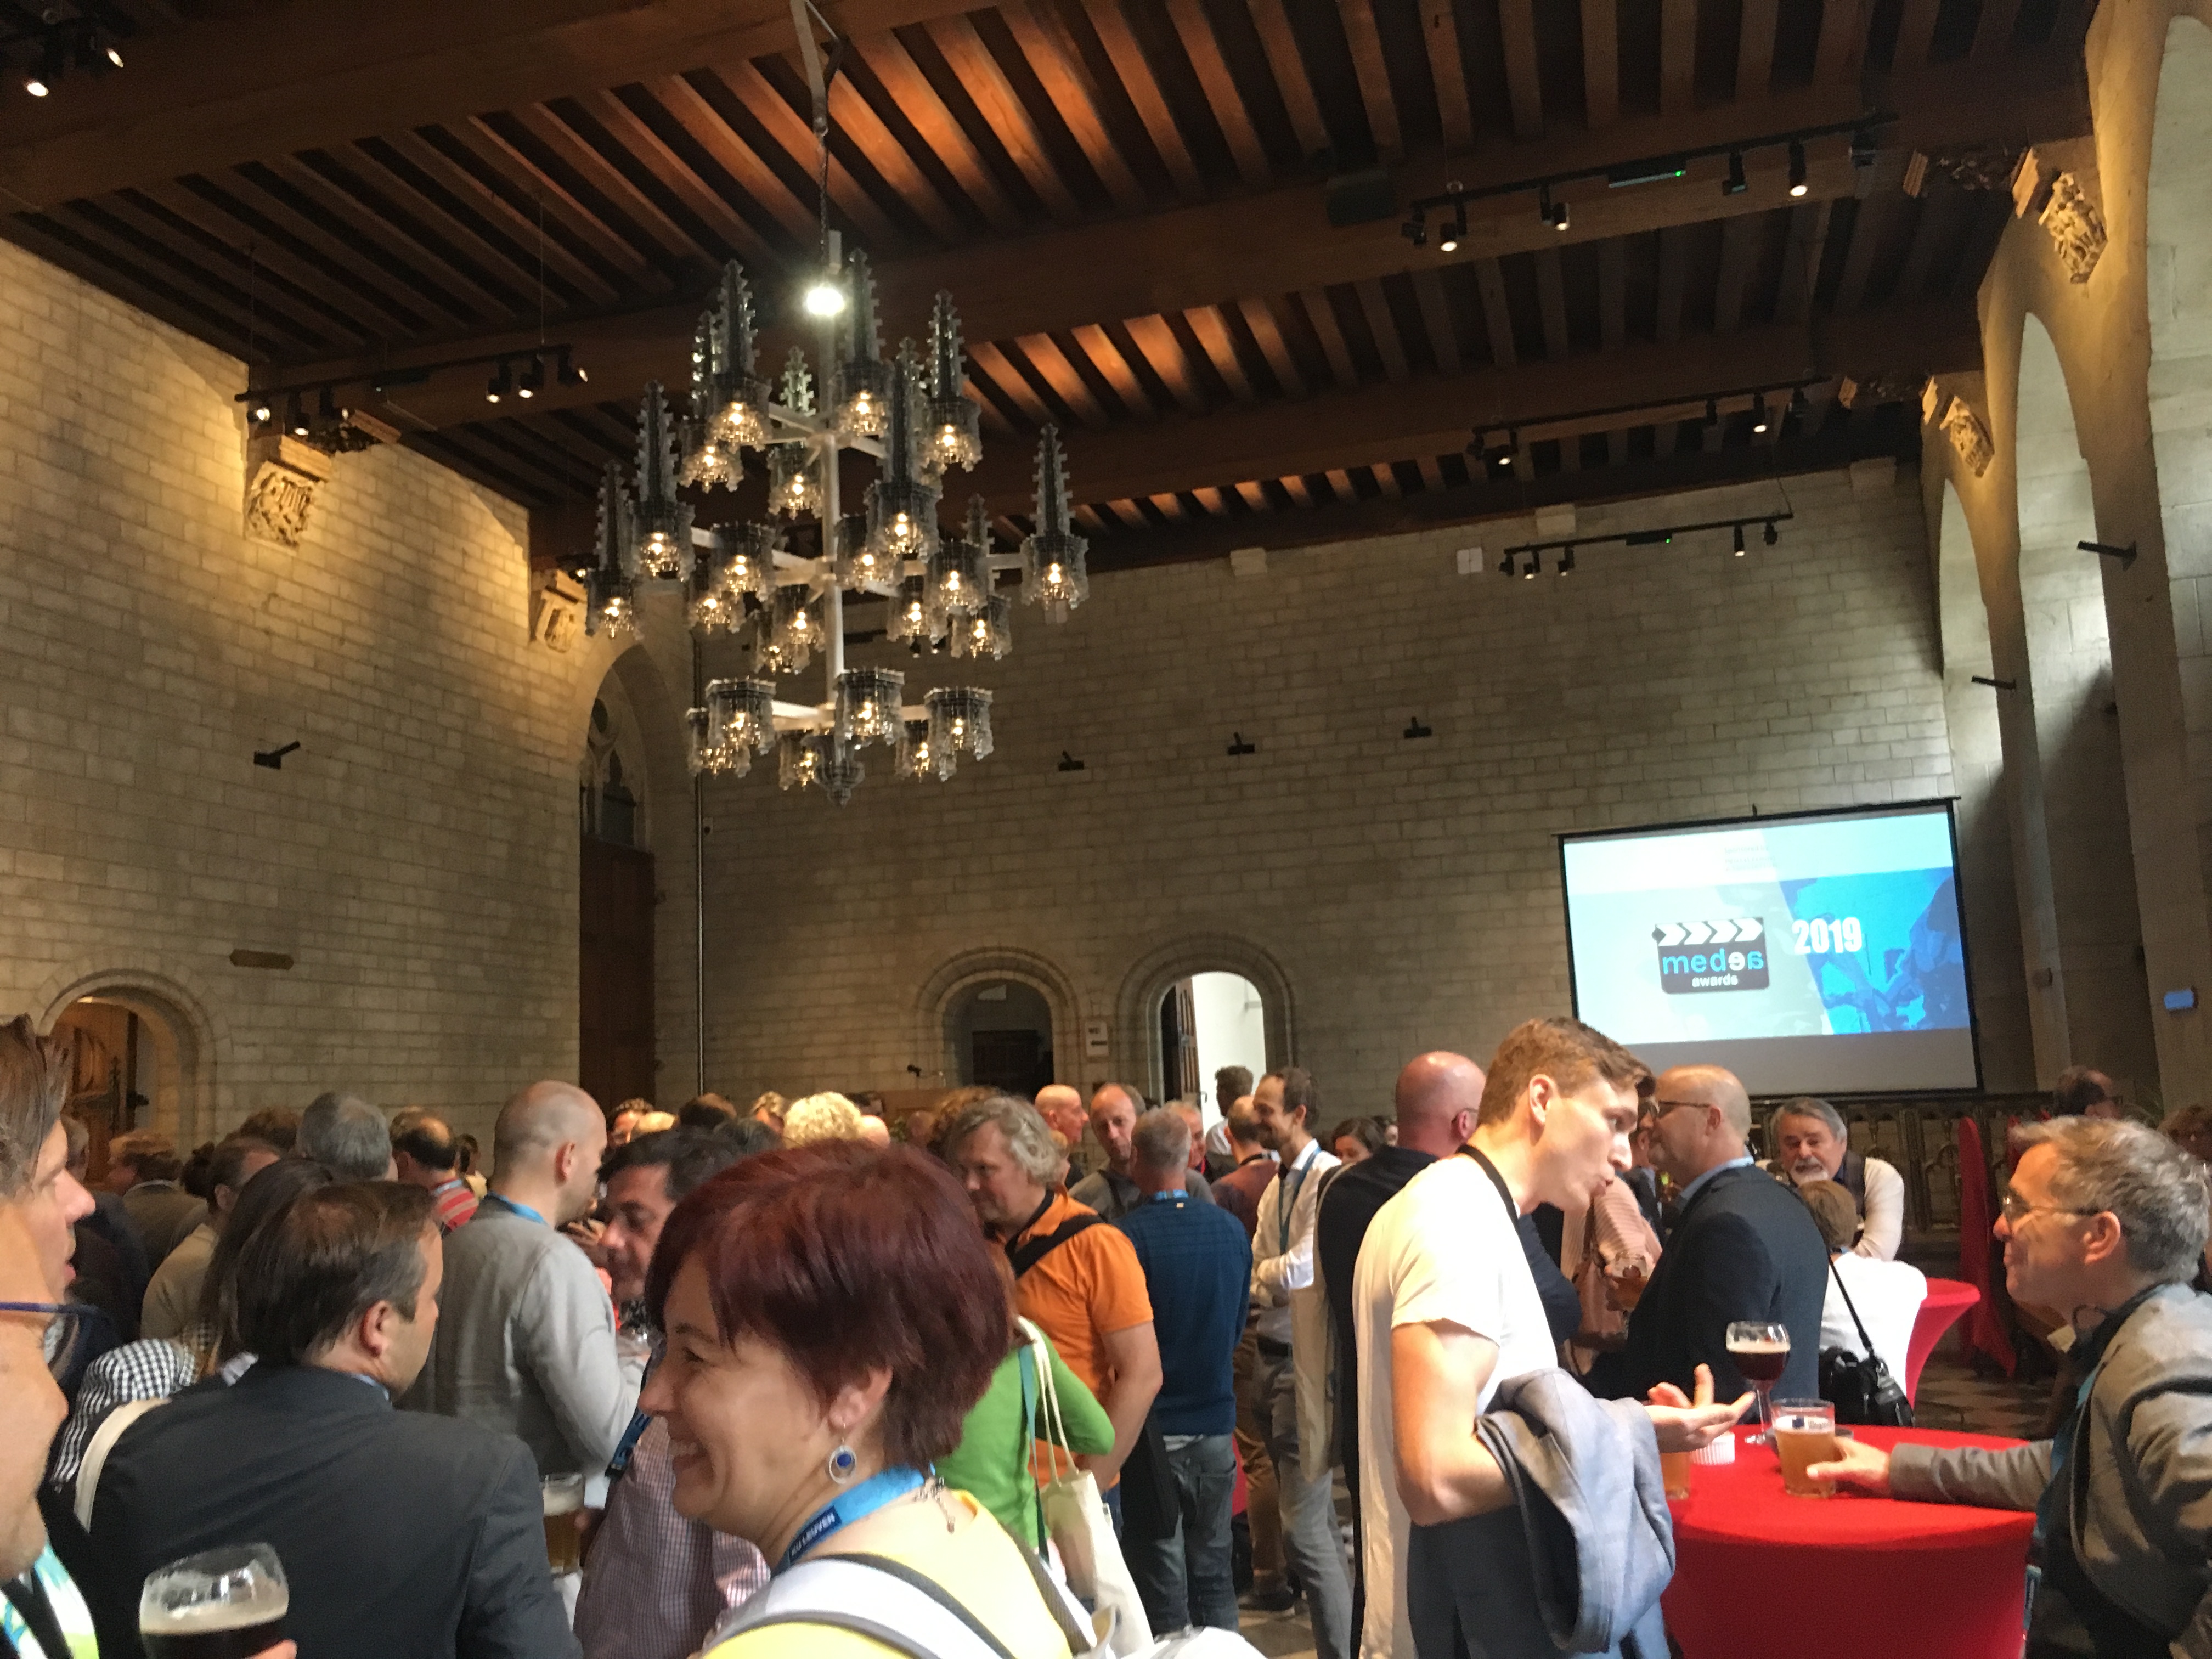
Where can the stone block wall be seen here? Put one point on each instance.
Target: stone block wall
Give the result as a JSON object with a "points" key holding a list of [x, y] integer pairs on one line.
{"points": [[415, 858]]}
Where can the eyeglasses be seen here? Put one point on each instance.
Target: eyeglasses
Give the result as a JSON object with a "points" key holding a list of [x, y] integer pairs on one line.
{"points": [[1662, 1107], [2016, 1209], [69, 1323]]}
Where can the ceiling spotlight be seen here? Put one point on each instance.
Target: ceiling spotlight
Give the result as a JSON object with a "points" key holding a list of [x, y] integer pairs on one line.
{"points": [[1796, 167], [108, 51], [1505, 565], [1758, 421], [501, 383], [1416, 228], [36, 84], [1555, 213], [825, 296], [567, 373], [1738, 548], [261, 414], [1530, 571], [534, 378], [1455, 232], [1712, 411], [1567, 561], [296, 416], [1798, 405], [327, 412], [1772, 534], [1862, 148], [1735, 183]]}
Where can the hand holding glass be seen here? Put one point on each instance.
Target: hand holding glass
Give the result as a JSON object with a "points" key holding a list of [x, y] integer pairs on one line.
{"points": [[223, 1604], [1804, 1435], [1761, 1353]]}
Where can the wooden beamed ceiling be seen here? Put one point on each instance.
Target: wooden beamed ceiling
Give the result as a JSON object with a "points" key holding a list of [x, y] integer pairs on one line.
{"points": [[1128, 198]]}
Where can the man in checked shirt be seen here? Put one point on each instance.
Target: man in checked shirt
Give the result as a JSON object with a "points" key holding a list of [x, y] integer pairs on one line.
{"points": [[655, 1583]]}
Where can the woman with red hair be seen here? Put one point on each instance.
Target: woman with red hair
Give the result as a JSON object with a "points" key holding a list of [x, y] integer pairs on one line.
{"points": [[832, 1314]]}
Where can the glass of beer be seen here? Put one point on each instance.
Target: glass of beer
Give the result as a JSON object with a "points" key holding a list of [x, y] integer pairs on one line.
{"points": [[1804, 1434], [563, 1495], [1674, 1470], [1761, 1353], [224, 1604]]}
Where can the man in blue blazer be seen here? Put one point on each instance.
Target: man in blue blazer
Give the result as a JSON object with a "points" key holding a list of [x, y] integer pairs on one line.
{"points": [[1743, 1247]]}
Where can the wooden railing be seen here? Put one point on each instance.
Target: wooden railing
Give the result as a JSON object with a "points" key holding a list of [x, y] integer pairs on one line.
{"points": [[1921, 1138]]}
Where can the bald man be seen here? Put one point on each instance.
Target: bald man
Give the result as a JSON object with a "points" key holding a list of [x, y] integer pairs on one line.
{"points": [[1743, 1247], [1061, 1106], [525, 1341]]}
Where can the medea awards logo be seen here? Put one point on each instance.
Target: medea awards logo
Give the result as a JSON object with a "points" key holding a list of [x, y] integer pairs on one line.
{"points": [[1711, 956]]}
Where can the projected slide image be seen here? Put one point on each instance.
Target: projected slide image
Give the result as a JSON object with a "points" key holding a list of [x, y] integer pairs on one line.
{"points": [[1831, 947]]}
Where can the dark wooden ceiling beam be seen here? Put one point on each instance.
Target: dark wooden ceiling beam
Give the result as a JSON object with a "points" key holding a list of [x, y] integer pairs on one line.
{"points": [[1448, 73], [909, 90], [789, 131], [1060, 69], [1517, 24], [1993, 33], [1842, 46], [1436, 320], [1004, 113], [274, 79], [1277, 39], [1916, 34], [1677, 55], [1437, 415], [1223, 96], [1209, 326], [579, 276], [1490, 499], [1372, 64], [709, 206], [492, 149], [1600, 64], [1754, 51], [1112, 28]]}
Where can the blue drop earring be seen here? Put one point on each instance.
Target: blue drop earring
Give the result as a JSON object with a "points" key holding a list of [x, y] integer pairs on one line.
{"points": [[844, 1464]]}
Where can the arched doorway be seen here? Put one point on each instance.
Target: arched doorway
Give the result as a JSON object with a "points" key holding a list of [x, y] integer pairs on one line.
{"points": [[999, 1031], [1159, 1043], [144, 1060], [1208, 1021], [615, 904], [2089, 927]]}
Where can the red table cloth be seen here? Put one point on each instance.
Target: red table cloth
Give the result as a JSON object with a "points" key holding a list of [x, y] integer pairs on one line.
{"points": [[1759, 1573], [1947, 1299]]}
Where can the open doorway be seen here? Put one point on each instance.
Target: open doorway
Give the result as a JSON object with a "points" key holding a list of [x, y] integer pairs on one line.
{"points": [[1206, 1022], [1001, 1032], [615, 905], [138, 1064]]}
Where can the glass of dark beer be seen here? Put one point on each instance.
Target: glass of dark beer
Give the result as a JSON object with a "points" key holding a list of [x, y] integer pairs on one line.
{"points": [[223, 1604], [1761, 1353]]}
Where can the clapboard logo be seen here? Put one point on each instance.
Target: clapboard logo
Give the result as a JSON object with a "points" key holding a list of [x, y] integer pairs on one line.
{"points": [[1711, 956]]}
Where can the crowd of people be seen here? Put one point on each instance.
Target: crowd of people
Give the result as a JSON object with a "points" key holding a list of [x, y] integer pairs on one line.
{"points": [[793, 1379]]}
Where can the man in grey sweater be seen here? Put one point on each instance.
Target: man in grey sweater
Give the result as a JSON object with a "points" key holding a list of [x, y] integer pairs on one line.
{"points": [[525, 1341], [2107, 1220]]}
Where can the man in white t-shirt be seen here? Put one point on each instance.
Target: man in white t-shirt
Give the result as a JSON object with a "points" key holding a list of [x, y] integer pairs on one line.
{"points": [[1445, 1309]]}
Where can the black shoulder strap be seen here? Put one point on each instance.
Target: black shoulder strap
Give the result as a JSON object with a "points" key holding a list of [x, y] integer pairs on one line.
{"points": [[1853, 1306], [28, 1597], [1505, 1192], [1026, 1256]]}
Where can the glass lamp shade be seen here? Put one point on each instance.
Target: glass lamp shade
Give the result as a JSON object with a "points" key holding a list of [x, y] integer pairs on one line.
{"points": [[708, 462], [902, 520], [841, 771], [959, 581], [799, 759], [709, 606], [909, 622], [749, 553], [856, 564], [743, 419], [698, 749], [794, 629], [987, 631], [951, 435], [663, 529], [741, 719], [913, 757], [959, 723], [861, 393], [867, 707], [794, 480], [1054, 572], [609, 603]]}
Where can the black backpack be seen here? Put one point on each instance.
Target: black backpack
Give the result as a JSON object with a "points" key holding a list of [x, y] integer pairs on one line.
{"points": [[1859, 1386]]}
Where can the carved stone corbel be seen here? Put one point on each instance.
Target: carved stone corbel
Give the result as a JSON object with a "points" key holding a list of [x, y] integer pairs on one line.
{"points": [[2057, 183], [282, 476], [1948, 401], [557, 610]]}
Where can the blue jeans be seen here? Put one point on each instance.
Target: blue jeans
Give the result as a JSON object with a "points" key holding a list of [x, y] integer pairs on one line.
{"points": [[1310, 1545], [1185, 1578]]}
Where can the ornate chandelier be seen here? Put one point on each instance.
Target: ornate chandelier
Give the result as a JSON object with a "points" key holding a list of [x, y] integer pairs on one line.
{"points": [[782, 593]]}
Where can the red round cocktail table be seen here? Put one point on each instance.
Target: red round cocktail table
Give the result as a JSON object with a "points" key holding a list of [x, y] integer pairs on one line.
{"points": [[1759, 1572], [1946, 1302]]}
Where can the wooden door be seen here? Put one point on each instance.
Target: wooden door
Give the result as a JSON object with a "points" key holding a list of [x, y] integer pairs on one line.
{"points": [[615, 1052]]}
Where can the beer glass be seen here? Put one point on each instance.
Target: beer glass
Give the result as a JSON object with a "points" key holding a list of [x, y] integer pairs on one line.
{"points": [[1804, 1434], [223, 1604], [1675, 1471], [1761, 1353], [564, 1496]]}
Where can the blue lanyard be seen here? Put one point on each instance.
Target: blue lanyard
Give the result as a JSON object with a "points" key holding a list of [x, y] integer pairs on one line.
{"points": [[1290, 1179], [863, 1500], [522, 1210], [1175, 1198]]}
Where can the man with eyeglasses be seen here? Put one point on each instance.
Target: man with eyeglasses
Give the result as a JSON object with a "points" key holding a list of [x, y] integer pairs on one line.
{"points": [[2106, 1221], [1741, 1247]]}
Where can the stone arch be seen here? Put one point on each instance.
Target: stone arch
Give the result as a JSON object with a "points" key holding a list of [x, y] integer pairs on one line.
{"points": [[183, 1095], [1136, 1023], [935, 999], [2178, 274], [2089, 920]]}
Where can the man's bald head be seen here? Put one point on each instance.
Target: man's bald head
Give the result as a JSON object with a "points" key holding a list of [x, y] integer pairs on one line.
{"points": [[546, 1148], [1439, 1097], [1061, 1106], [1706, 1085]]}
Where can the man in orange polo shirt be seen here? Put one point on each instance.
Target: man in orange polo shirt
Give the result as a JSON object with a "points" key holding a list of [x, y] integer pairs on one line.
{"points": [[1078, 1279]]}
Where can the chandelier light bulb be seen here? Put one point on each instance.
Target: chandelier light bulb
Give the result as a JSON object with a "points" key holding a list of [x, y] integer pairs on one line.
{"points": [[823, 298]]}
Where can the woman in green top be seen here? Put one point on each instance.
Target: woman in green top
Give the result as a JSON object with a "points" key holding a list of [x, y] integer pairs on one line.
{"points": [[992, 1462]]}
